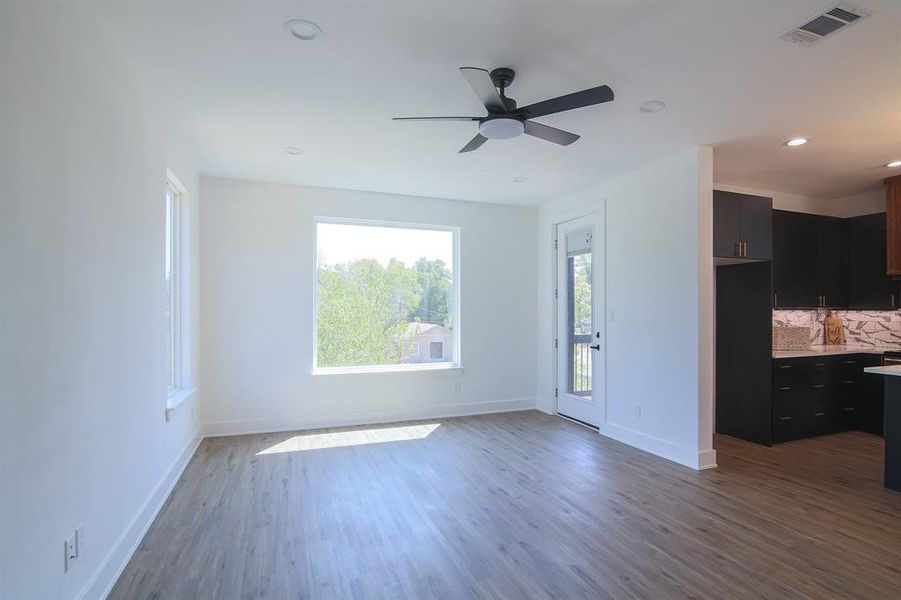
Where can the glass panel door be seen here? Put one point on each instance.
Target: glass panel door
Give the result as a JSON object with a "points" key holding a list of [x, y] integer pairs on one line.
{"points": [[579, 335], [579, 328]]}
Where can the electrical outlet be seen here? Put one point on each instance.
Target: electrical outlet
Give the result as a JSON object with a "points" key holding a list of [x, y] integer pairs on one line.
{"points": [[638, 411], [457, 387], [70, 549]]}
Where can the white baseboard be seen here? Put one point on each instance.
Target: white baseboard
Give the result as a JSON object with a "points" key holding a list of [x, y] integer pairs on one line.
{"points": [[706, 459], [104, 578], [223, 428], [692, 458]]}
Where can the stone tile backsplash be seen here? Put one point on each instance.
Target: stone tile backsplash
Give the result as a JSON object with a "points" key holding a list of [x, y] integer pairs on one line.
{"points": [[880, 329]]}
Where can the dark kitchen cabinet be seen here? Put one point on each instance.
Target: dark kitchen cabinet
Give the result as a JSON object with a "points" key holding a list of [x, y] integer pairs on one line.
{"points": [[742, 226], [832, 261], [893, 225], [817, 395], [743, 350], [795, 260], [810, 261], [868, 285]]}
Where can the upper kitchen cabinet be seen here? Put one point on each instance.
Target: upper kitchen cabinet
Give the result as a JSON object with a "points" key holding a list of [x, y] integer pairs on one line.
{"points": [[742, 226], [810, 261], [868, 285], [832, 261], [893, 225], [796, 261]]}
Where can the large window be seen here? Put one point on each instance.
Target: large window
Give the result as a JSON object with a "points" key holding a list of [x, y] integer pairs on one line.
{"points": [[173, 287], [387, 296]]}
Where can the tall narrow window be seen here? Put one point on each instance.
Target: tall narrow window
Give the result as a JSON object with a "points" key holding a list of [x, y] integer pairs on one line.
{"points": [[387, 296], [173, 292]]}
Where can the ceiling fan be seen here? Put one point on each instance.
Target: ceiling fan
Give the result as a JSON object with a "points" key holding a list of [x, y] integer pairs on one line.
{"points": [[505, 120]]}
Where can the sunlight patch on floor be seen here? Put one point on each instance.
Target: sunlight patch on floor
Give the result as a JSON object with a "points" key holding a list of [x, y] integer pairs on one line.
{"points": [[355, 437]]}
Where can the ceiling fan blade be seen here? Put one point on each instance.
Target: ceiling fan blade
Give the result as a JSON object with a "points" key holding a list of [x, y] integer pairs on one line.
{"points": [[436, 118], [551, 134], [474, 143], [481, 83], [588, 97]]}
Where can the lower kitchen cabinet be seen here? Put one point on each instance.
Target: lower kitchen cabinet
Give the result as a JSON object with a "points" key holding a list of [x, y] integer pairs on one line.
{"points": [[819, 395]]}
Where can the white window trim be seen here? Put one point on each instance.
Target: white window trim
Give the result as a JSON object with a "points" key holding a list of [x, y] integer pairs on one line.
{"points": [[455, 364], [183, 387]]}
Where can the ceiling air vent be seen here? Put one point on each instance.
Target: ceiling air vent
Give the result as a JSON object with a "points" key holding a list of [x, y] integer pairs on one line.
{"points": [[826, 23]]}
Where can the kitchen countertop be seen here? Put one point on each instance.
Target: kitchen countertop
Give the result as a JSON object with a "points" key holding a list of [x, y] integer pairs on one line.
{"points": [[830, 350], [890, 370]]}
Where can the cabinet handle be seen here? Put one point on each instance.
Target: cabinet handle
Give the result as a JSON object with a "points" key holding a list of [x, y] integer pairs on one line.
{"points": [[785, 418], [893, 301], [819, 414], [744, 249], [737, 249], [817, 386], [775, 299], [819, 364], [849, 409], [850, 362], [785, 388], [785, 366], [850, 381]]}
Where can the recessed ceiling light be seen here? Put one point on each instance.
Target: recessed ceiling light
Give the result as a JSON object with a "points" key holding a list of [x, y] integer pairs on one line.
{"points": [[894, 164], [652, 106], [301, 29], [519, 179], [798, 141], [292, 150]]}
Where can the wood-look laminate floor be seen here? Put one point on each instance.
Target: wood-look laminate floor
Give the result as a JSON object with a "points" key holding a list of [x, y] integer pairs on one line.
{"points": [[519, 505]]}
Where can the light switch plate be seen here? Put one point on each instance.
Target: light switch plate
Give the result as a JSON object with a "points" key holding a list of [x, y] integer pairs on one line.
{"points": [[70, 550]]}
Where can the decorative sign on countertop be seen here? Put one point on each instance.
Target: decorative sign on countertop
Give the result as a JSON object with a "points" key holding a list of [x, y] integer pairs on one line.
{"points": [[835, 329]]}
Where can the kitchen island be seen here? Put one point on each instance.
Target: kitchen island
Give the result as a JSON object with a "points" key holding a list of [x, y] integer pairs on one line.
{"points": [[892, 424]]}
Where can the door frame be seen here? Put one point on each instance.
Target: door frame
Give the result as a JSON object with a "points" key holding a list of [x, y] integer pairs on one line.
{"points": [[599, 315]]}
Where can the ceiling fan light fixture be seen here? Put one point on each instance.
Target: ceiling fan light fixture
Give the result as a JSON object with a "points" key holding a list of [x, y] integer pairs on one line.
{"points": [[501, 128]]}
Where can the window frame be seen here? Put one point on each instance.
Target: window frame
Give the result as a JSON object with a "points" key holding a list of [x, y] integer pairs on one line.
{"points": [[173, 210], [181, 387], [455, 363]]}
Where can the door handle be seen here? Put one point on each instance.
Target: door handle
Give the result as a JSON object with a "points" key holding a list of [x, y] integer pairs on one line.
{"points": [[597, 347]]}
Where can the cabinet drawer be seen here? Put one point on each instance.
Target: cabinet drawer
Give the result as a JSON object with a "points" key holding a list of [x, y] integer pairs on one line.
{"points": [[799, 421], [783, 373], [845, 417], [819, 371]]}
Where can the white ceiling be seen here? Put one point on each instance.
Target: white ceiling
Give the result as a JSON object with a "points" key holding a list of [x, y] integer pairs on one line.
{"points": [[242, 89]]}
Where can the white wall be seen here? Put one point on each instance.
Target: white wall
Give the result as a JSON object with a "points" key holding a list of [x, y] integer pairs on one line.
{"points": [[257, 260], [83, 430], [659, 300], [865, 203]]}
